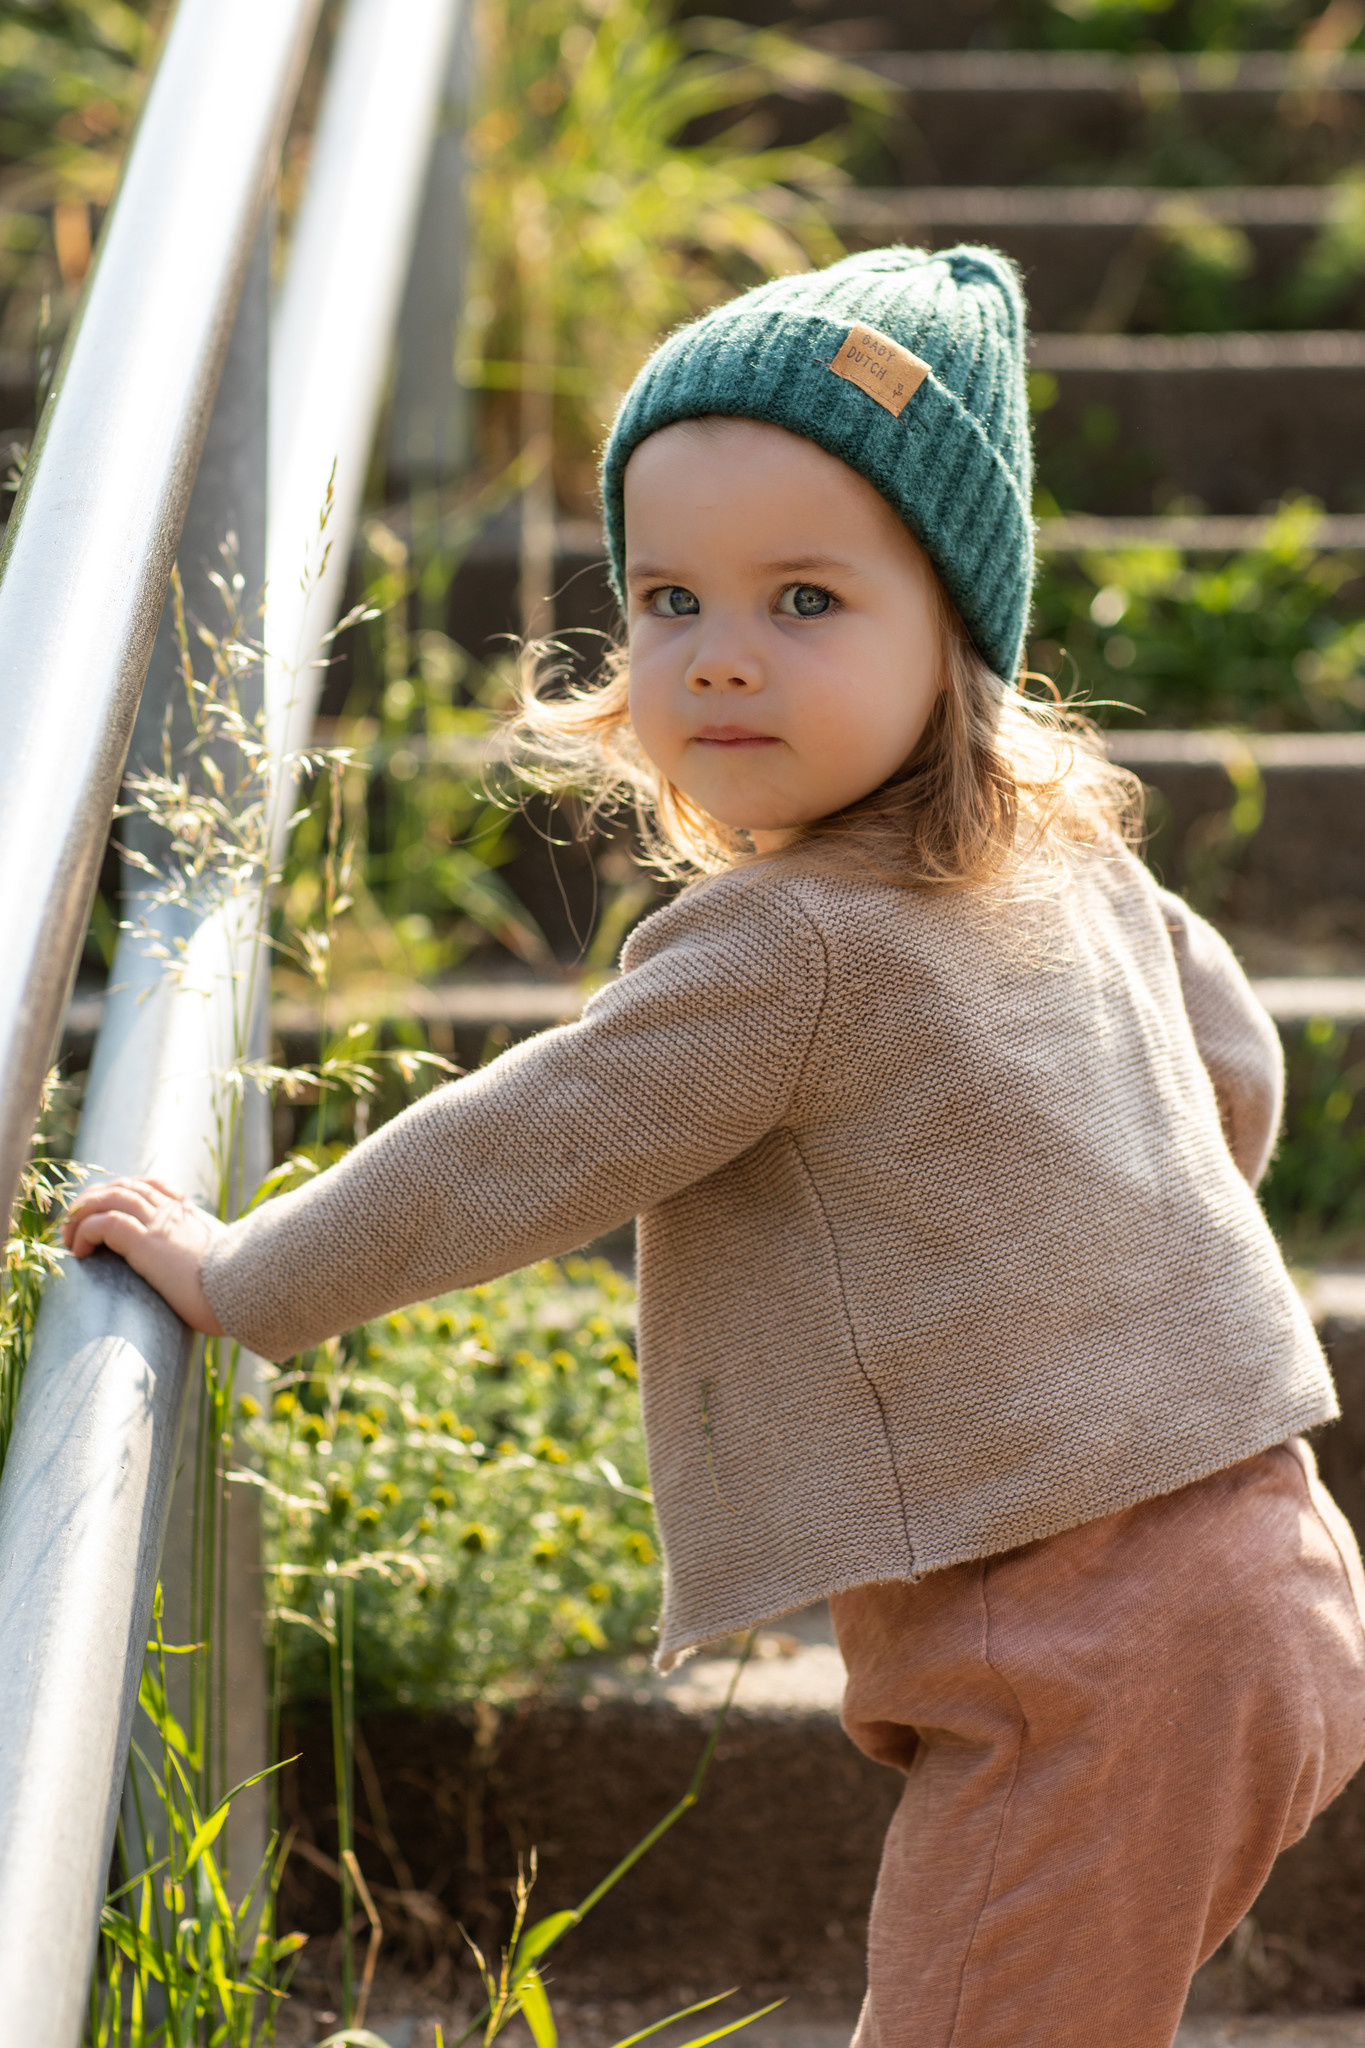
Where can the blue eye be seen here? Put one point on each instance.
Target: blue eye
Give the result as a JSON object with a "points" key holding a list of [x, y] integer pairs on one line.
{"points": [[805, 601], [673, 602]]}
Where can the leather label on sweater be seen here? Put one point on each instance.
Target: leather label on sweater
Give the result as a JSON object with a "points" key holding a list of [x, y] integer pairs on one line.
{"points": [[880, 367]]}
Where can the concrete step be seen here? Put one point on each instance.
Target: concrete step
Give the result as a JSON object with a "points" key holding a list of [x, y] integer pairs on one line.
{"points": [[1106, 258], [766, 1883], [591, 2025], [1017, 117], [1265, 831], [875, 24], [597, 2023], [482, 608], [18, 381], [522, 1006], [1262, 830], [1191, 533], [1127, 423]]}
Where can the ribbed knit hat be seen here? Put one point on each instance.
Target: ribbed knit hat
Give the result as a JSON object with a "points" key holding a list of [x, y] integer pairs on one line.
{"points": [[908, 366]]}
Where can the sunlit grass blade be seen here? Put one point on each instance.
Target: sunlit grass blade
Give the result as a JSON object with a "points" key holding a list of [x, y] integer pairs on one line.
{"points": [[209, 1829], [672, 2018], [354, 2037], [142, 1952], [541, 1937], [701, 2040], [152, 1700], [535, 2007], [538, 1940], [656, 1833], [112, 1898]]}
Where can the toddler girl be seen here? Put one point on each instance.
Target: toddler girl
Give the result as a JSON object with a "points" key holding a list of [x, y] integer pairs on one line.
{"points": [[941, 1122]]}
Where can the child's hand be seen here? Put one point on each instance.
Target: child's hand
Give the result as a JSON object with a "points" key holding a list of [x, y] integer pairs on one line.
{"points": [[161, 1235]]}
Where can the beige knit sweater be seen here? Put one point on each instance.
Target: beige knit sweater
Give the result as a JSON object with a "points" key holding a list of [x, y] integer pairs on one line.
{"points": [[947, 1241]]}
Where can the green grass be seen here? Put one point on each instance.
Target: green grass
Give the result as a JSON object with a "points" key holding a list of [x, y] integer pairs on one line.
{"points": [[1271, 638], [1171, 24], [72, 74], [1314, 1193], [475, 1468]]}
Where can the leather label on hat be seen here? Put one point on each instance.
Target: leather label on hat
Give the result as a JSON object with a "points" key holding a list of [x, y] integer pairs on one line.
{"points": [[880, 367]]}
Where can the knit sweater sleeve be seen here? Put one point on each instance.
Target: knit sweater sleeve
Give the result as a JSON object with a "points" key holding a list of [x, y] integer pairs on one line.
{"points": [[1237, 1041], [672, 1071]]}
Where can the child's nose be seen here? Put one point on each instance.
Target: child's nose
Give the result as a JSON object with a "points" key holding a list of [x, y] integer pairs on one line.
{"points": [[718, 669], [700, 684]]}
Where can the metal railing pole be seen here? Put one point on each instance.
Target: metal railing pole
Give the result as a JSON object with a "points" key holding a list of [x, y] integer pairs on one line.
{"points": [[332, 338], [94, 531], [88, 1477], [141, 1118], [87, 1481], [87, 1484], [431, 422]]}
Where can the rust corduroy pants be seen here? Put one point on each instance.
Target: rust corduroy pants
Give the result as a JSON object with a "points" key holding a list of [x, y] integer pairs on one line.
{"points": [[1108, 1738]]}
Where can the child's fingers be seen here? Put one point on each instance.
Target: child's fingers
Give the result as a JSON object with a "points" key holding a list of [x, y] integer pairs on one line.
{"points": [[149, 1180], [155, 1190], [154, 1193], [115, 1195], [115, 1229], [160, 1234]]}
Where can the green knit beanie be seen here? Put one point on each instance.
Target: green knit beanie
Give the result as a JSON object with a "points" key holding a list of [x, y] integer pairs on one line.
{"points": [[929, 406]]}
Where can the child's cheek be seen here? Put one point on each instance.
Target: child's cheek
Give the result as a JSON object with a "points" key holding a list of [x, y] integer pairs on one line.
{"points": [[652, 713]]}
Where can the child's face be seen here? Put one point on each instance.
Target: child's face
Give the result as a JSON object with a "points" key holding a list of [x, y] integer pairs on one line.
{"points": [[784, 648]]}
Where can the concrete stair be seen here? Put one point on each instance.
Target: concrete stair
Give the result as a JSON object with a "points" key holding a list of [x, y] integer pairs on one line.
{"points": [[1128, 423], [1292, 882], [591, 2025], [1090, 251], [1000, 117]]}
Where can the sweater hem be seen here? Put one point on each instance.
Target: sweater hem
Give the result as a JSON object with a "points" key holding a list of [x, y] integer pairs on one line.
{"points": [[678, 1644]]}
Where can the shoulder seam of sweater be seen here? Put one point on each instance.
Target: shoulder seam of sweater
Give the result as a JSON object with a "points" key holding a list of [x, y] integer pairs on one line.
{"points": [[789, 899]]}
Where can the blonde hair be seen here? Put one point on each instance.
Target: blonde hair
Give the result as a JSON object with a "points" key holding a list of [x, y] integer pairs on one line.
{"points": [[1000, 779]]}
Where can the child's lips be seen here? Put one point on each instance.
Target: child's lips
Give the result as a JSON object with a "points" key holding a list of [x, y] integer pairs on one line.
{"points": [[734, 736]]}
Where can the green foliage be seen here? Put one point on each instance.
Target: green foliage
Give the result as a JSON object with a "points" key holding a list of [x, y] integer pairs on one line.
{"points": [[1176, 24], [28, 1257], [621, 182], [1271, 638], [475, 1470], [1314, 1193], [71, 78], [1188, 271], [1333, 267], [426, 838], [180, 1962]]}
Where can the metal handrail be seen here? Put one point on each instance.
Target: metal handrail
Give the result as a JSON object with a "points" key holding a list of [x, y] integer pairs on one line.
{"points": [[94, 532], [87, 1482], [331, 340]]}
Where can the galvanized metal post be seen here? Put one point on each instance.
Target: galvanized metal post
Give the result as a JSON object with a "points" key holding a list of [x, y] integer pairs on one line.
{"points": [[224, 537], [430, 426], [87, 1481], [332, 343], [87, 1478], [93, 533]]}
